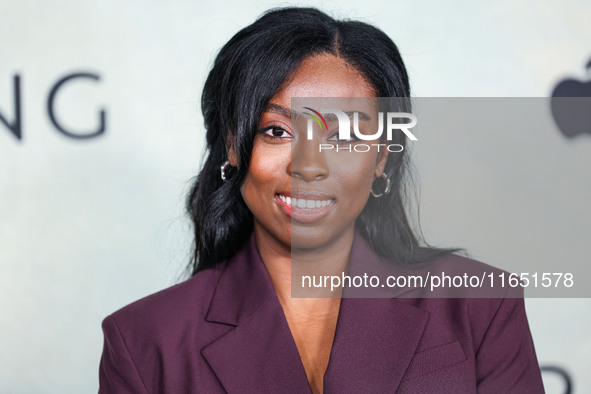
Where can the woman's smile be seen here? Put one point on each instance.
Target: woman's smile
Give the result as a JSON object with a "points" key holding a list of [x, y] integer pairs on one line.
{"points": [[305, 206]]}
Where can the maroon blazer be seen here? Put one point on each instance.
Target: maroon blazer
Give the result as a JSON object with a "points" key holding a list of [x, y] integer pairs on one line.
{"points": [[224, 330]]}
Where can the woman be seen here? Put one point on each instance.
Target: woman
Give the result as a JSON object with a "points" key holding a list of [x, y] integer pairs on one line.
{"points": [[233, 326]]}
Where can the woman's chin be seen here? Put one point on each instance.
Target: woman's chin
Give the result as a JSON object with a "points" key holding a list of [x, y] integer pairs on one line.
{"points": [[306, 239], [303, 239]]}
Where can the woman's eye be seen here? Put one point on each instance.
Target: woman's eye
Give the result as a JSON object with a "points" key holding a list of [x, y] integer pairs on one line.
{"points": [[276, 132], [336, 138]]}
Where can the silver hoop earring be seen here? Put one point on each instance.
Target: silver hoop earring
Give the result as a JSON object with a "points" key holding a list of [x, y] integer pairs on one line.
{"points": [[386, 189], [224, 169]]}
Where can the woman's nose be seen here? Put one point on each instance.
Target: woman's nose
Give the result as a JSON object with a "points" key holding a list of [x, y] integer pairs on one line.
{"points": [[307, 162]]}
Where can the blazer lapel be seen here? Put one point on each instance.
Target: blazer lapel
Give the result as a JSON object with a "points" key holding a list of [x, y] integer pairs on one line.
{"points": [[374, 341], [375, 338], [259, 355]]}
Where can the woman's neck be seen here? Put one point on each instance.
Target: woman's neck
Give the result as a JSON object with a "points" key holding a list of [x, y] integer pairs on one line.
{"points": [[311, 313], [288, 266]]}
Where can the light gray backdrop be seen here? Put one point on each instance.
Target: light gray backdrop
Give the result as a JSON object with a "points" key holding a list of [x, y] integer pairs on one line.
{"points": [[87, 226]]}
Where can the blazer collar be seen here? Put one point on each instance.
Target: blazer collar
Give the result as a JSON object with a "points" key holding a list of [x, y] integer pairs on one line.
{"points": [[374, 341]]}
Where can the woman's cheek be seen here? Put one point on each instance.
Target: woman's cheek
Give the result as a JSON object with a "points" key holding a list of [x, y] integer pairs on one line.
{"points": [[357, 167]]}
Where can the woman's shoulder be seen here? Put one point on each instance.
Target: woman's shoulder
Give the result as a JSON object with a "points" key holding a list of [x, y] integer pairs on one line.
{"points": [[184, 304], [151, 343], [453, 275]]}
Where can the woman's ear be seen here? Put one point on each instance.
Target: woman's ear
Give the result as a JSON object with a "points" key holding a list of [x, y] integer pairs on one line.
{"points": [[381, 164], [232, 158]]}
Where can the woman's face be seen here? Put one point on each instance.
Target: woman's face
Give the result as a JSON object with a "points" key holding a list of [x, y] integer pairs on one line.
{"points": [[329, 189]]}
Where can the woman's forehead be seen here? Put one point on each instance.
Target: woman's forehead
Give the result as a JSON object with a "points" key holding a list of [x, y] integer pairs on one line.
{"points": [[324, 75]]}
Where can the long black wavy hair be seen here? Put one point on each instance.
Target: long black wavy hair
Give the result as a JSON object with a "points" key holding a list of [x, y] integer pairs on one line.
{"points": [[247, 72]]}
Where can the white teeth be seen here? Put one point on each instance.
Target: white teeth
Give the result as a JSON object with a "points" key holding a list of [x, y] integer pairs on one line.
{"points": [[302, 203]]}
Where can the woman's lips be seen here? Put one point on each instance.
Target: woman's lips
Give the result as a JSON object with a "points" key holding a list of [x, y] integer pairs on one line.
{"points": [[307, 208]]}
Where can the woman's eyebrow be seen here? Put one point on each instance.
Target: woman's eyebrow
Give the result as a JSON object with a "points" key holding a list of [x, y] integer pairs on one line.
{"points": [[362, 115], [331, 117], [279, 110]]}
